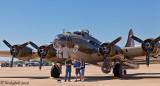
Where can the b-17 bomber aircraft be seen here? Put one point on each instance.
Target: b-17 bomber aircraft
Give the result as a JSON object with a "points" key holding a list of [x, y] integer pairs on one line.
{"points": [[80, 44]]}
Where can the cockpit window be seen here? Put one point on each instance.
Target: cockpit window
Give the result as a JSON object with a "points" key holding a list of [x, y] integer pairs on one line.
{"points": [[82, 33], [77, 33], [85, 31]]}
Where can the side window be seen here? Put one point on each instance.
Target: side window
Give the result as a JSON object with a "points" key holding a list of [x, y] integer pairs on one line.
{"points": [[91, 42]]}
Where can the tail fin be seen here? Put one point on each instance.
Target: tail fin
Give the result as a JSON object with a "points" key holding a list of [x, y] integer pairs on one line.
{"points": [[130, 41]]}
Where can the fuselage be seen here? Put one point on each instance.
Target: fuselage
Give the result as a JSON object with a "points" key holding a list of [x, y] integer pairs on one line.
{"points": [[79, 44]]}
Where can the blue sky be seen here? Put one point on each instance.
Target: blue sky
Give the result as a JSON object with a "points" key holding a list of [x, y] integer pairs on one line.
{"points": [[41, 20]]}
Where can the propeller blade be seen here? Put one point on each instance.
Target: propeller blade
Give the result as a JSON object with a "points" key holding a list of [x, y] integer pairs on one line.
{"points": [[147, 60], [7, 43], [33, 44], [11, 64], [137, 39], [114, 42], [157, 39], [24, 44], [40, 65]]}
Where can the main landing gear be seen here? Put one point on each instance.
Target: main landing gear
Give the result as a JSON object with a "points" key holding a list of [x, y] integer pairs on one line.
{"points": [[55, 71], [118, 70]]}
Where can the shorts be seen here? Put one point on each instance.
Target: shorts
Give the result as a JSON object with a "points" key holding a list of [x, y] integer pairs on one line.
{"points": [[82, 72], [77, 71]]}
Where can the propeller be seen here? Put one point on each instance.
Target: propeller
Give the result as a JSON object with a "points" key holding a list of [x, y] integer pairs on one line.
{"points": [[137, 39], [42, 52], [157, 39], [105, 50], [148, 46], [114, 42], [14, 49]]}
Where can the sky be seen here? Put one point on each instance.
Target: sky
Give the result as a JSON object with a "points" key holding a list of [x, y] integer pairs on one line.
{"points": [[41, 20]]}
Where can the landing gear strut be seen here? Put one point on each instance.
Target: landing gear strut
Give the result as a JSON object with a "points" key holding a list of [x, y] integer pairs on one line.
{"points": [[125, 72]]}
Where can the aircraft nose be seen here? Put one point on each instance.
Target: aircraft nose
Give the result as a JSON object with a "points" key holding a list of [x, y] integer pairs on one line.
{"points": [[62, 40], [60, 37]]}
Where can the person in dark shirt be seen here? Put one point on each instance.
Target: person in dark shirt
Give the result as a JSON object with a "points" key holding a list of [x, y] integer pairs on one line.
{"points": [[68, 64]]}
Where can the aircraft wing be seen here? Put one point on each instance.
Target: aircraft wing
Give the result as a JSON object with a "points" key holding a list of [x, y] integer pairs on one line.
{"points": [[132, 52], [142, 60], [5, 54], [137, 55], [35, 54]]}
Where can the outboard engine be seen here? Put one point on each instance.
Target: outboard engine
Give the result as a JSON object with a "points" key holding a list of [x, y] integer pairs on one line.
{"points": [[150, 46]]}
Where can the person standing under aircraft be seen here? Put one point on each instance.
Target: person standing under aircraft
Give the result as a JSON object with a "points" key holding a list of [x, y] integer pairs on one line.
{"points": [[68, 64], [82, 70], [77, 65]]}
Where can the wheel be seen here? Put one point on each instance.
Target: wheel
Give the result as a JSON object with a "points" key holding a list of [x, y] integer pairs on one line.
{"points": [[55, 73], [117, 70]]}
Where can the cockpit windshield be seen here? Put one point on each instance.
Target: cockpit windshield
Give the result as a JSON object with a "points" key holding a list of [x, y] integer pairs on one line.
{"points": [[77, 33], [82, 32]]}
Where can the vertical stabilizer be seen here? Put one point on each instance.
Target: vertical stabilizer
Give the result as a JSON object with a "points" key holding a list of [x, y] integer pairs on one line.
{"points": [[130, 41]]}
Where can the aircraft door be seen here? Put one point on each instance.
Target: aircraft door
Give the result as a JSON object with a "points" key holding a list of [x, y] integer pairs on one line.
{"points": [[59, 52], [65, 52]]}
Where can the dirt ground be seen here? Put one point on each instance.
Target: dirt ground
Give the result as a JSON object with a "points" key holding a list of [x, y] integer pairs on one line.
{"points": [[31, 76]]}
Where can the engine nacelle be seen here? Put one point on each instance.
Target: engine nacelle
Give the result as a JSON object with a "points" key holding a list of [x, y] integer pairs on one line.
{"points": [[111, 51], [42, 51], [23, 53], [51, 52], [47, 51], [103, 49]]}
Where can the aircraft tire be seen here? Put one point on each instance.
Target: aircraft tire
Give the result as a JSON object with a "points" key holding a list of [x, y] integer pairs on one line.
{"points": [[55, 73], [117, 70]]}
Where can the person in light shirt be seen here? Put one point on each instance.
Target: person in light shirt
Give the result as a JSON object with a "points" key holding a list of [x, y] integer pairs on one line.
{"points": [[77, 66], [82, 69]]}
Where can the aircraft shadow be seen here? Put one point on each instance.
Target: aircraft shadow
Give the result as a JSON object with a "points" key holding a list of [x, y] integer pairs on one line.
{"points": [[93, 78], [135, 76], [98, 78], [141, 76]]}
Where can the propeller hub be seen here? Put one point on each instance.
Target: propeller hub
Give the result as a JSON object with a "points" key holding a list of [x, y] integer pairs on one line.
{"points": [[14, 50], [148, 45], [42, 51], [104, 50]]}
